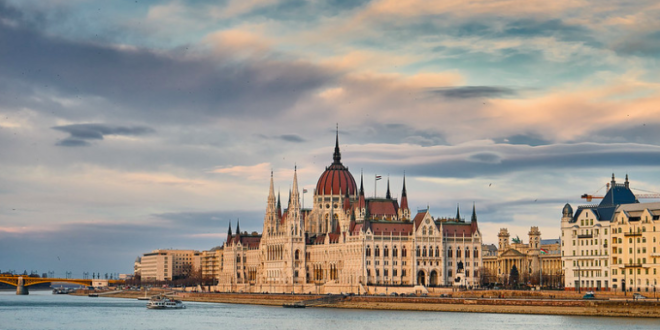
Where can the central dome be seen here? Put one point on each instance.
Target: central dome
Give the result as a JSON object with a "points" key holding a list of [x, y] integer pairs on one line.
{"points": [[336, 179]]}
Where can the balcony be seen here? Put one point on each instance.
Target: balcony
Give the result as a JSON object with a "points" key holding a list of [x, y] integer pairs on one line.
{"points": [[634, 265], [632, 234], [586, 236]]}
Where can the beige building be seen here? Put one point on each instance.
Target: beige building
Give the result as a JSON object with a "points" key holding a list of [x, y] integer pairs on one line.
{"points": [[167, 265], [211, 262], [350, 243], [635, 247], [586, 237], [537, 263]]}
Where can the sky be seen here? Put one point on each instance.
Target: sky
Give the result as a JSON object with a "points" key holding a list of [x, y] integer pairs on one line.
{"points": [[128, 126]]}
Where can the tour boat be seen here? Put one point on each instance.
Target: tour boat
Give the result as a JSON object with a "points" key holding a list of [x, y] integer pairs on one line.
{"points": [[160, 302]]}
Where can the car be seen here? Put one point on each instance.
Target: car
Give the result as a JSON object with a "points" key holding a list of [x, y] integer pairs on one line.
{"points": [[589, 295], [638, 296]]}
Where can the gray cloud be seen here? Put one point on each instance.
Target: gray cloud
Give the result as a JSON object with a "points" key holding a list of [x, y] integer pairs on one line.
{"points": [[81, 132], [154, 85], [70, 142], [292, 138], [469, 92], [528, 139]]}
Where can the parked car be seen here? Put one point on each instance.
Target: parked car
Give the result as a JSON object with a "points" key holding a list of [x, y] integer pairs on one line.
{"points": [[589, 295], [638, 296]]}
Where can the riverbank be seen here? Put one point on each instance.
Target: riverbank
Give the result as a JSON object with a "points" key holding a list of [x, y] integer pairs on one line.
{"points": [[617, 307]]}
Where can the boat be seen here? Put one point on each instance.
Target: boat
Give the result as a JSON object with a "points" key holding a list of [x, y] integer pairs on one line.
{"points": [[297, 304], [94, 295], [163, 302]]}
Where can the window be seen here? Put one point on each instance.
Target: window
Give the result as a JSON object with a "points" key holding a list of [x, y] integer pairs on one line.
{"points": [[386, 252], [458, 253], [395, 253], [404, 252], [377, 251]]}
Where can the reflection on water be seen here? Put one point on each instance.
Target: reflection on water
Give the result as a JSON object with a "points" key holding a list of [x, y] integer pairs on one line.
{"points": [[42, 310]]}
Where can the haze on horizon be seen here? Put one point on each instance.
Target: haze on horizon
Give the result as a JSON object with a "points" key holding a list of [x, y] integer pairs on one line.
{"points": [[128, 126]]}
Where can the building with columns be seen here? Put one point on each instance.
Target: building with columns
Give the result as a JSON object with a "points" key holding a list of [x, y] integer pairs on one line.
{"points": [[537, 263], [348, 242]]}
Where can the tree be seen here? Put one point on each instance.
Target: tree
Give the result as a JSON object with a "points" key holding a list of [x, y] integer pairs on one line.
{"points": [[513, 276]]}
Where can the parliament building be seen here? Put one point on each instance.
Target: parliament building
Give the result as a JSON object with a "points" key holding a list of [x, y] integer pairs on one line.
{"points": [[350, 243]]}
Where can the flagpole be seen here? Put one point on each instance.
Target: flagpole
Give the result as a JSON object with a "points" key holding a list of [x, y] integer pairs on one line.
{"points": [[375, 183]]}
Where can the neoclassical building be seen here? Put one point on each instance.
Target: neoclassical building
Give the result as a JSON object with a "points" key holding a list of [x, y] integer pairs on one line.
{"points": [[350, 243], [537, 263]]}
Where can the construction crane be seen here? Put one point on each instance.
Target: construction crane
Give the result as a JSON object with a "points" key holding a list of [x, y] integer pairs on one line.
{"points": [[590, 197]]}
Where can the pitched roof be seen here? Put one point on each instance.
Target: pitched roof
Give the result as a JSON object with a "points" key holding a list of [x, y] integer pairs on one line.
{"points": [[382, 207], [457, 229], [387, 228]]}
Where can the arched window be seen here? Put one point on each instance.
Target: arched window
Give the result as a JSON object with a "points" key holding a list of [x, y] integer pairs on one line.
{"points": [[418, 251], [458, 253], [437, 252], [297, 254], [424, 231], [431, 231], [450, 252], [404, 252], [386, 252], [377, 252], [476, 253], [368, 251], [467, 253], [395, 252], [424, 252]]}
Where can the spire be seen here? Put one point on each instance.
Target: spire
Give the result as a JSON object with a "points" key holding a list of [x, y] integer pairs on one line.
{"points": [[387, 194], [295, 180], [238, 227], [627, 183], [271, 192], [229, 231], [361, 184], [474, 213], [458, 213], [279, 205], [337, 155], [404, 194]]}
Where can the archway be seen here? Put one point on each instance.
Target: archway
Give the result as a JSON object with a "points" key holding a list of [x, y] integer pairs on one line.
{"points": [[433, 280], [421, 278]]}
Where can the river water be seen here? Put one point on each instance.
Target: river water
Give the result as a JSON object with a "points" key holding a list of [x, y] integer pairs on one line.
{"points": [[43, 310]]}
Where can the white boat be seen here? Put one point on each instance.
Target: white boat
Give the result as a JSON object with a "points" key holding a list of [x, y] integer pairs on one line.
{"points": [[162, 302]]}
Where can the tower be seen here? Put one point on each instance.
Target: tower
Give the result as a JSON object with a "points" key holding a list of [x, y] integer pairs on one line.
{"points": [[503, 238]]}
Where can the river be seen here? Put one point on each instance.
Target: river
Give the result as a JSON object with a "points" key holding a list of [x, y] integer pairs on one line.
{"points": [[42, 310]]}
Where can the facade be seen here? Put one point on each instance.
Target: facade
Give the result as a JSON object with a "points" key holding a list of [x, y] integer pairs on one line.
{"points": [[586, 237], [635, 247], [537, 263], [211, 262], [349, 243], [167, 265]]}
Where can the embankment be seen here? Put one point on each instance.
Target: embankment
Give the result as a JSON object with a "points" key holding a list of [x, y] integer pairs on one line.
{"points": [[576, 307]]}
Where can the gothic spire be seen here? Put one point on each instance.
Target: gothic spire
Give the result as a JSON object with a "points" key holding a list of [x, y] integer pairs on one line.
{"points": [[229, 231], [404, 194], [238, 227], [361, 184], [474, 213], [337, 155], [387, 194], [458, 213]]}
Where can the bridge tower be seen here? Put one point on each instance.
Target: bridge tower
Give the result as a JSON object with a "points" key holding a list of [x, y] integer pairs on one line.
{"points": [[21, 289]]}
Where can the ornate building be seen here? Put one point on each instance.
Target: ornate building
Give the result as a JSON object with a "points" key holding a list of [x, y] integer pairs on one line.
{"points": [[537, 263], [350, 243], [585, 239]]}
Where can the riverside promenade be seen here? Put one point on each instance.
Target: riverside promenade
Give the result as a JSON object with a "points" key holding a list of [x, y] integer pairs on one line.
{"points": [[508, 302]]}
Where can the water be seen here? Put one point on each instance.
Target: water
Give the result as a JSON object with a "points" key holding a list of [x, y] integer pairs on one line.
{"points": [[42, 310]]}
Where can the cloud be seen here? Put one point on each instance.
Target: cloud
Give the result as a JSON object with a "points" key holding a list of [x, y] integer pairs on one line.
{"points": [[254, 172], [467, 92], [292, 138], [155, 85], [81, 132]]}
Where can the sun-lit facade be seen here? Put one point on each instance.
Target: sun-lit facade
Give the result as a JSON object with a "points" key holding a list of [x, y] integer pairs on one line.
{"points": [[350, 243]]}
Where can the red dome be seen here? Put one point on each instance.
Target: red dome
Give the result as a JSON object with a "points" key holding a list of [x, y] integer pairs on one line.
{"points": [[336, 178]]}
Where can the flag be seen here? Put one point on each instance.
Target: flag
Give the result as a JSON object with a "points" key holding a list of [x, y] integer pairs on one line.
{"points": [[304, 190], [544, 251], [378, 177]]}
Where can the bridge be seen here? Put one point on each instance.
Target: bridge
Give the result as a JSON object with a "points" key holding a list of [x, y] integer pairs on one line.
{"points": [[22, 282]]}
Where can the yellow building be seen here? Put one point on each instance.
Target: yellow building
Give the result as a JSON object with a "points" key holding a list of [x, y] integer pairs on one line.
{"points": [[167, 265], [537, 263], [635, 248]]}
